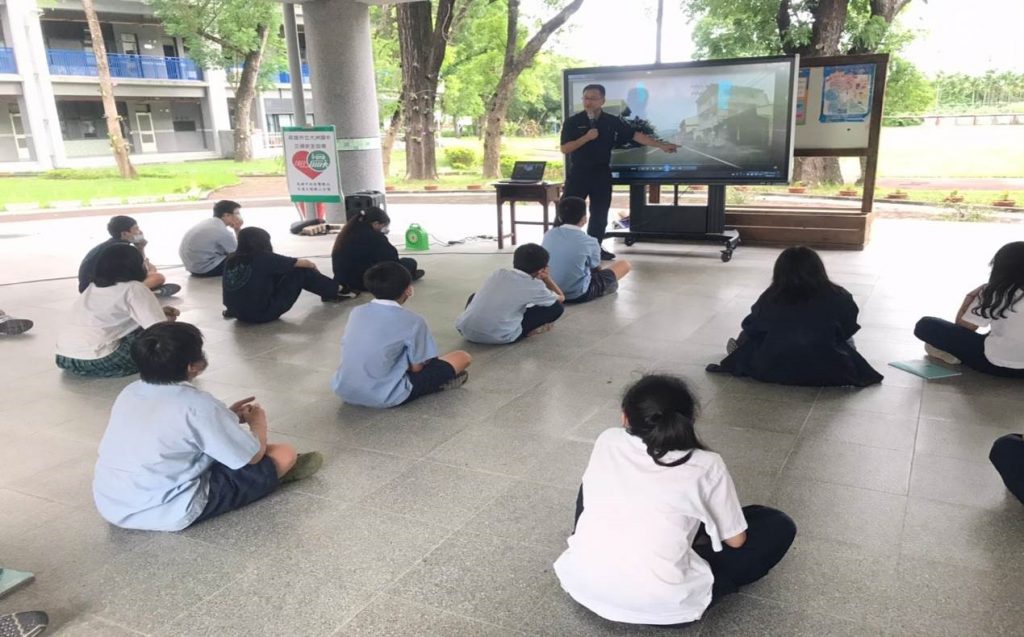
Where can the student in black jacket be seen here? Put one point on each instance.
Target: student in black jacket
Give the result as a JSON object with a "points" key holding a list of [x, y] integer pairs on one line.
{"points": [[362, 244], [799, 331], [259, 285]]}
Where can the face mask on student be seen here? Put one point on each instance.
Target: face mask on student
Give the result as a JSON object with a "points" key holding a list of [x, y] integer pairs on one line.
{"points": [[385, 230], [138, 238]]}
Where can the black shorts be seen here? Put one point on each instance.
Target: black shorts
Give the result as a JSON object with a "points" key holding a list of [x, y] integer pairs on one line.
{"points": [[429, 380], [602, 282], [232, 489]]}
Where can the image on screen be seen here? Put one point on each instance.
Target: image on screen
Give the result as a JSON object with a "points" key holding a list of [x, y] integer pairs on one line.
{"points": [[732, 119]]}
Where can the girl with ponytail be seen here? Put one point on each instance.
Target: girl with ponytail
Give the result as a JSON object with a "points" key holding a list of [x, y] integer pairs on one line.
{"points": [[362, 244], [660, 534]]}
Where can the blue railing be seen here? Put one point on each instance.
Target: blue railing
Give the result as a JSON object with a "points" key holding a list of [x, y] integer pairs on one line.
{"points": [[7, 63], [148, 67], [284, 77]]}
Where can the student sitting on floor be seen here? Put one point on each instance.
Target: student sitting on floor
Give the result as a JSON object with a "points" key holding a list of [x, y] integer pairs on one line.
{"points": [[363, 243], [388, 356], [124, 229], [576, 256], [998, 305], [174, 455], [97, 336], [513, 304], [260, 286], [653, 514], [207, 244], [800, 331], [1007, 457]]}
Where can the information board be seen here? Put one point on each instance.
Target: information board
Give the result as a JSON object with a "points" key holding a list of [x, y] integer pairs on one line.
{"points": [[835, 106], [311, 163]]}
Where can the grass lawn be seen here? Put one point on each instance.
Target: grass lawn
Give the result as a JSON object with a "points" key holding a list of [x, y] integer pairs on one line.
{"points": [[154, 180], [919, 151], [952, 151]]}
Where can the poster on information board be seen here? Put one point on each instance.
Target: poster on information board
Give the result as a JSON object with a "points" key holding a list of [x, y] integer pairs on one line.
{"points": [[847, 93], [311, 163], [803, 81]]}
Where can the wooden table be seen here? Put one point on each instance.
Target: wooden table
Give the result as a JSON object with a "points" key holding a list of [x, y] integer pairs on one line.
{"points": [[543, 193]]}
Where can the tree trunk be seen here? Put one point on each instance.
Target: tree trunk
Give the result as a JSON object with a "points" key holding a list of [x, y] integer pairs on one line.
{"points": [[99, 49], [244, 96], [827, 32], [497, 109], [817, 170], [422, 44], [515, 63], [389, 137]]}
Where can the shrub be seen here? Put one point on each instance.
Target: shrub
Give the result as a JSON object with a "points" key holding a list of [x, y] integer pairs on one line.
{"points": [[460, 157]]}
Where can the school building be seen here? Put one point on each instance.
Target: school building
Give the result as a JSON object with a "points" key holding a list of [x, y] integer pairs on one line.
{"points": [[51, 115]]}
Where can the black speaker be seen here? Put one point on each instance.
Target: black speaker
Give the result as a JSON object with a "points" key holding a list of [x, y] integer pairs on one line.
{"points": [[362, 200]]}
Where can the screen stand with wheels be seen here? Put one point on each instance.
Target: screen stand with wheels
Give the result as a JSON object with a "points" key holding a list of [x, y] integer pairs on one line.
{"points": [[674, 222]]}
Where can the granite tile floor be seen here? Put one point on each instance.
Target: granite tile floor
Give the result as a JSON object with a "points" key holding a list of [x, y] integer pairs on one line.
{"points": [[443, 517]]}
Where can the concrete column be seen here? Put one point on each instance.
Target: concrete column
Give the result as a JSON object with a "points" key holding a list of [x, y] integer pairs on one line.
{"points": [[344, 90], [40, 114], [215, 109]]}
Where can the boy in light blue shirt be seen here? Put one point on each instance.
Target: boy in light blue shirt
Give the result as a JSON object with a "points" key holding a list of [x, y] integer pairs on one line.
{"points": [[576, 256], [388, 356], [173, 455], [513, 304]]}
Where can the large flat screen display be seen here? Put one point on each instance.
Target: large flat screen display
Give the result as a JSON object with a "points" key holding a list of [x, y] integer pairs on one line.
{"points": [[732, 119]]}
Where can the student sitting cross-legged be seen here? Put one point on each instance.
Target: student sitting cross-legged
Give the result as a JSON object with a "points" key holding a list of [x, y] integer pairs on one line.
{"points": [[96, 338], [388, 356], [362, 244], [576, 256], [206, 245], [260, 285], [660, 533], [513, 304], [174, 455], [800, 331], [998, 305], [123, 229]]}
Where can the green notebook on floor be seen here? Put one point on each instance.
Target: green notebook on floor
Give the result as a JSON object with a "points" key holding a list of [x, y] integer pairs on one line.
{"points": [[925, 369]]}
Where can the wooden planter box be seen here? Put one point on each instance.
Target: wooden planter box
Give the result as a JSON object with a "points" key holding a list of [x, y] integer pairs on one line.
{"points": [[898, 196], [849, 193], [431, 187], [957, 199], [390, 188], [474, 187], [1004, 203], [797, 190]]}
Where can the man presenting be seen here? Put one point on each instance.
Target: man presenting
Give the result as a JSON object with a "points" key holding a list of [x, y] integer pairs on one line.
{"points": [[588, 138]]}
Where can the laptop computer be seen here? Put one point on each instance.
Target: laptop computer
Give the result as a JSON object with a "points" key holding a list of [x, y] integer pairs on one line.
{"points": [[526, 172]]}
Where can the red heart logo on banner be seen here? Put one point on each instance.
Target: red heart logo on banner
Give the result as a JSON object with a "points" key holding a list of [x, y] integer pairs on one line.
{"points": [[300, 161]]}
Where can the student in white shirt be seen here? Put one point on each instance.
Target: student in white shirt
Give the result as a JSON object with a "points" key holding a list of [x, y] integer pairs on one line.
{"points": [[999, 305], [174, 455], [109, 314], [660, 534], [513, 304]]}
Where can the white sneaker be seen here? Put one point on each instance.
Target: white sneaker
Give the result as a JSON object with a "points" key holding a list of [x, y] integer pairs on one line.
{"points": [[938, 354]]}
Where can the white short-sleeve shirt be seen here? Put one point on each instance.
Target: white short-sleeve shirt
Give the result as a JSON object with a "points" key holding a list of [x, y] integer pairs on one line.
{"points": [[1004, 346], [631, 559], [101, 317]]}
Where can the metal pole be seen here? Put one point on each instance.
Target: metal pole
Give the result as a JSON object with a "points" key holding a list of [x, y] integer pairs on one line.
{"points": [[661, 15], [291, 37]]}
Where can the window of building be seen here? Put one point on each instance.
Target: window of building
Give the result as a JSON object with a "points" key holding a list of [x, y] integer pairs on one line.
{"points": [[184, 126], [129, 44]]}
